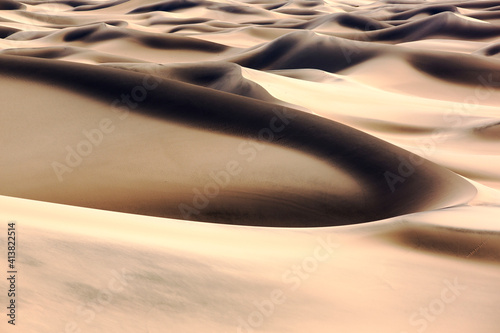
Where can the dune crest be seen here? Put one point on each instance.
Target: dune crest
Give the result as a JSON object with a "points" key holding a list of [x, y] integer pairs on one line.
{"points": [[375, 165]]}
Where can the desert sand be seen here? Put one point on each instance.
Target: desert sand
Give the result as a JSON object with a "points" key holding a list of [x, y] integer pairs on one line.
{"points": [[250, 166]]}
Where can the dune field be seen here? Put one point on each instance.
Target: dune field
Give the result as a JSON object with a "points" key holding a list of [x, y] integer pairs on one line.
{"points": [[250, 166]]}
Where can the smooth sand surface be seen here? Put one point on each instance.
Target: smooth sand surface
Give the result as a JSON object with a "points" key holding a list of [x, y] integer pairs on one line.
{"points": [[251, 166]]}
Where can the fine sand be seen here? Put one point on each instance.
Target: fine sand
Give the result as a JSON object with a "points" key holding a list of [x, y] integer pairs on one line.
{"points": [[251, 166]]}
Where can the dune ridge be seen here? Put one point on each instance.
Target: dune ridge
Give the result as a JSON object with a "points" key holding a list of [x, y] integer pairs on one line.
{"points": [[190, 42], [366, 158]]}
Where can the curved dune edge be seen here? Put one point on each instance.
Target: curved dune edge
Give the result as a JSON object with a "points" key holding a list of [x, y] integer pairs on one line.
{"points": [[167, 264], [368, 161], [453, 242], [447, 233]]}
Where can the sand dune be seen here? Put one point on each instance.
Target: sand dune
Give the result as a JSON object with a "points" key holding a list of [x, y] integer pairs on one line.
{"points": [[173, 269], [370, 162], [251, 166]]}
